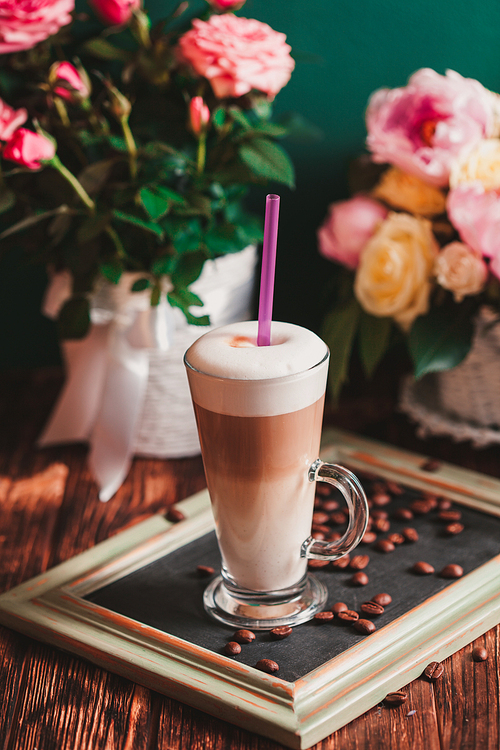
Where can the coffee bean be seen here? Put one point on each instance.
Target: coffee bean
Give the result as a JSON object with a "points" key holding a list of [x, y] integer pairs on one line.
{"points": [[479, 653], [329, 506], [244, 636], [334, 536], [283, 631], [379, 487], [359, 579], [323, 489], [338, 517], [372, 608], [318, 535], [320, 517], [232, 648], [317, 563], [379, 514], [322, 617], [174, 515], [403, 514], [410, 534], [381, 499], [423, 568], [452, 529], [381, 524], [359, 562], [384, 545], [368, 537], [267, 665], [450, 515], [341, 562], [348, 615], [432, 464], [394, 488], [434, 671], [444, 504], [452, 571], [395, 699], [431, 499], [421, 507], [383, 599], [339, 607], [205, 571], [396, 538], [321, 527], [364, 626]]}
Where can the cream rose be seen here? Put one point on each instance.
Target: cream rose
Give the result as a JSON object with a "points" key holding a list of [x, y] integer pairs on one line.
{"points": [[461, 269], [409, 193], [479, 164], [394, 276]]}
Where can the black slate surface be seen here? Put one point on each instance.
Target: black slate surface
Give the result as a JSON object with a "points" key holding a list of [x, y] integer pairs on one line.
{"points": [[167, 594]]}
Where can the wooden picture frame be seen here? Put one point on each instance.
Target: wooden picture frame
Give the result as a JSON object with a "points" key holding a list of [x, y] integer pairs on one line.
{"points": [[52, 608]]}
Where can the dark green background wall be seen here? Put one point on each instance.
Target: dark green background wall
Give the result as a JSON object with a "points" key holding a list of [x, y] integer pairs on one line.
{"points": [[345, 50]]}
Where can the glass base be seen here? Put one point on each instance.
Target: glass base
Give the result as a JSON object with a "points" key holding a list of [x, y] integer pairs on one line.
{"points": [[264, 611]]}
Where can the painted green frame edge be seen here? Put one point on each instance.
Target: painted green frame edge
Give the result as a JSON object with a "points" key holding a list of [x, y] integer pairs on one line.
{"points": [[50, 608]]}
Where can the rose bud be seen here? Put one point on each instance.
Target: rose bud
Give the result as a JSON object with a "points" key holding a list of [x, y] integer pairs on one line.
{"points": [[199, 114], [29, 149], [226, 5], [115, 12], [78, 84]]}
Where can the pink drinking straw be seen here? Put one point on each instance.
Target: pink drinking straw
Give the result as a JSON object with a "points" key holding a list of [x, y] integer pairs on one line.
{"points": [[267, 272]]}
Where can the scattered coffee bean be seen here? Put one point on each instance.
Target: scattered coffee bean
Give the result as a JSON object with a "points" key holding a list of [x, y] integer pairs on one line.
{"points": [[396, 538], [403, 514], [359, 562], [432, 464], [342, 562], [452, 571], [410, 534], [434, 671], [283, 631], [321, 527], [338, 517], [174, 515], [322, 617], [232, 648], [395, 699], [320, 517], [385, 545], [423, 568], [383, 599], [334, 536], [421, 507], [244, 636], [372, 608], [379, 514], [368, 537], [330, 505], [381, 524], [317, 563], [339, 607], [205, 571], [381, 499], [379, 487], [348, 615], [431, 499], [364, 626], [449, 515], [267, 665], [394, 488], [452, 529], [359, 579], [479, 653], [319, 535], [323, 489], [444, 504]]}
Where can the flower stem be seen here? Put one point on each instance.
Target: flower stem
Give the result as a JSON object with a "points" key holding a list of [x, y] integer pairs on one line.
{"points": [[202, 152], [75, 184], [131, 146], [120, 250]]}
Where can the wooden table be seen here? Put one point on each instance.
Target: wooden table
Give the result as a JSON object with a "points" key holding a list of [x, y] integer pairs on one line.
{"points": [[52, 700]]}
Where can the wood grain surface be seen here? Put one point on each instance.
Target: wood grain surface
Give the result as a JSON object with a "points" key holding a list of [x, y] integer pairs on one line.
{"points": [[49, 511]]}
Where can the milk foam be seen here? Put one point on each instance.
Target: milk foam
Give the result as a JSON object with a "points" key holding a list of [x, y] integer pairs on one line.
{"points": [[257, 380]]}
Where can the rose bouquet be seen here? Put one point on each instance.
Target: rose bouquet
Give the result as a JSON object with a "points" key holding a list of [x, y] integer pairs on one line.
{"points": [[419, 240], [129, 147]]}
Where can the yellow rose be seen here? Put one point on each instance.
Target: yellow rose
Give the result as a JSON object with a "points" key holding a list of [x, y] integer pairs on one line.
{"points": [[481, 163], [409, 193], [394, 275]]}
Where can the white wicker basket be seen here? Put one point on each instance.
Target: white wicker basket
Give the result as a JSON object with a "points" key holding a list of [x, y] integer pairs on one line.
{"points": [[167, 427]]}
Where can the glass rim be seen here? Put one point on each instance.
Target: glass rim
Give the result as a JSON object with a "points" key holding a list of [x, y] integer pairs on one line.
{"points": [[191, 367]]}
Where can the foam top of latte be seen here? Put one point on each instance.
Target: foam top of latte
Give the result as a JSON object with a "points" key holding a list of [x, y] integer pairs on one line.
{"points": [[232, 351]]}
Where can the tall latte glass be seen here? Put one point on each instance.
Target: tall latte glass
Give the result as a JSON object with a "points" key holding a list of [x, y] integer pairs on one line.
{"points": [[259, 412]]}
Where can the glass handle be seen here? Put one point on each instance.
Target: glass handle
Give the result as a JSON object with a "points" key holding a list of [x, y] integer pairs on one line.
{"points": [[350, 486]]}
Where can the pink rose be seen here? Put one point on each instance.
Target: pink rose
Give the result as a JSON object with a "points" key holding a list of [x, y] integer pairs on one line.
{"points": [[10, 120], [29, 149], [237, 55], [227, 4], [78, 87], [461, 269], [24, 23], [115, 12], [199, 114], [422, 127], [348, 227], [475, 213]]}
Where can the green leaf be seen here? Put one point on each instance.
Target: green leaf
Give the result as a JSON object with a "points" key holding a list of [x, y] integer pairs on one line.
{"points": [[184, 299], [155, 296], [104, 50], [299, 129], [92, 227], [111, 271], [268, 160], [74, 318], [186, 235], [441, 339], [7, 200], [187, 269], [219, 117], [170, 195], [94, 176], [148, 226], [140, 285], [154, 204], [162, 266], [339, 329], [224, 239], [240, 118], [118, 143], [373, 338]]}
